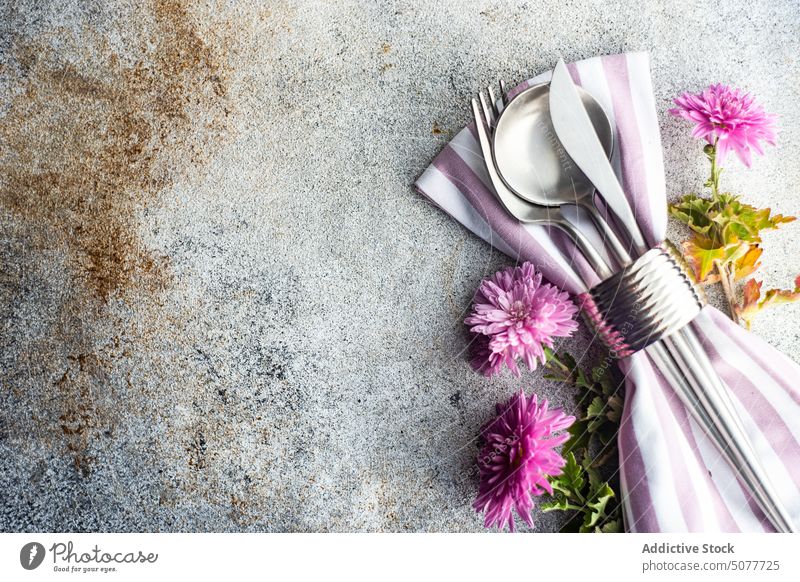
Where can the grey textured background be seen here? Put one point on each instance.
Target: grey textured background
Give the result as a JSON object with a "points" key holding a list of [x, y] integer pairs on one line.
{"points": [[223, 305]]}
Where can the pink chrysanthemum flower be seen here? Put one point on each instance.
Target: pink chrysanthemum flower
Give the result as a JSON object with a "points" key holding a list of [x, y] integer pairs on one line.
{"points": [[517, 458], [514, 317], [731, 119]]}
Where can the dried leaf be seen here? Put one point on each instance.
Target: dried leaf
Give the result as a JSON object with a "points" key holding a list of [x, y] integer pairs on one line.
{"points": [[753, 303]]}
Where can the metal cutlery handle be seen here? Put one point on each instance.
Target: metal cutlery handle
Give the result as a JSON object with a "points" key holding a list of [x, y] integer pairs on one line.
{"points": [[586, 248], [725, 428], [628, 309], [619, 252]]}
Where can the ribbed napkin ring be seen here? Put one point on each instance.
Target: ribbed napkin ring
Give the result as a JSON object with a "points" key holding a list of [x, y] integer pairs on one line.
{"points": [[648, 300]]}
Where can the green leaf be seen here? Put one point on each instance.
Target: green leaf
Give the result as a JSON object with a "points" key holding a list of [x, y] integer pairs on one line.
{"points": [[613, 526], [580, 489], [694, 212], [561, 366], [593, 475], [596, 408], [701, 255], [579, 437], [595, 413], [557, 504], [580, 379], [568, 361], [597, 505], [571, 479], [607, 436]]}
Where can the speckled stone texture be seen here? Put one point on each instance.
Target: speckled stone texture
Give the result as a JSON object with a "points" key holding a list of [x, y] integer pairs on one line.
{"points": [[224, 308]]}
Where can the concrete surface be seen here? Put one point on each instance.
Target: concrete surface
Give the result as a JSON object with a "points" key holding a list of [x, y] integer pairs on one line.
{"points": [[223, 305]]}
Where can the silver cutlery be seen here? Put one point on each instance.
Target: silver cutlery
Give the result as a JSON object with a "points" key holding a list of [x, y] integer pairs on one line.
{"points": [[531, 161], [523, 210], [533, 188], [707, 398]]}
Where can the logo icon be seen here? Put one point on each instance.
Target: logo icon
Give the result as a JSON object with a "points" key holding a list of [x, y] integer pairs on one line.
{"points": [[31, 555]]}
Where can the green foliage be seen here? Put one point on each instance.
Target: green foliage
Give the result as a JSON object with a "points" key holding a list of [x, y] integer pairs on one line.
{"points": [[725, 246], [725, 231], [580, 488]]}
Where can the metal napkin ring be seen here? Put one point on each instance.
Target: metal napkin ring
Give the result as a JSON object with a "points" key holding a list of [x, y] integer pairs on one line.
{"points": [[646, 301]]}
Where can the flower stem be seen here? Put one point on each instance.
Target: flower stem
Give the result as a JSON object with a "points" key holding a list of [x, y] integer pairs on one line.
{"points": [[581, 499], [726, 277], [725, 270], [713, 182], [555, 364], [602, 457]]}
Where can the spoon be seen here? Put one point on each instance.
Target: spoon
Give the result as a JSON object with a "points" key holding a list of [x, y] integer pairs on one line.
{"points": [[531, 161], [486, 114]]}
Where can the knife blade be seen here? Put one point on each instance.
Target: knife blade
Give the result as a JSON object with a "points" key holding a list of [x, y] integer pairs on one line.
{"points": [[576, 133]]}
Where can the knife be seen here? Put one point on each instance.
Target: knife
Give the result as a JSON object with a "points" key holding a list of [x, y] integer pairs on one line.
{"points": [[576, 133]]}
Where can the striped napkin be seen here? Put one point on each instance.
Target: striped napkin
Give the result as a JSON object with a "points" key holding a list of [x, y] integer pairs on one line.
{"points": [[672, 478]]}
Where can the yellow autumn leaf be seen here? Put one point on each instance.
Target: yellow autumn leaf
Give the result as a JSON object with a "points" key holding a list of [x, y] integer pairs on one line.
{"points": [[747, 263], [701, 259]]}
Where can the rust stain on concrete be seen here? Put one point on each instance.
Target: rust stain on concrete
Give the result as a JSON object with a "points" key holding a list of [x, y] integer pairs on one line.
{"points": [[87, 143], [83, 152]]}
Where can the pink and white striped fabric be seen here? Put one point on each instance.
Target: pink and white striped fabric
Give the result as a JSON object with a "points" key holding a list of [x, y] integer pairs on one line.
{"points": [[672, 478]]}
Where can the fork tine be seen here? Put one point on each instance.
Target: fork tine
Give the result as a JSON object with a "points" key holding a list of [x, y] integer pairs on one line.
{"points": [[503, 95], [477, 114], [493, 101], [488, 113]]}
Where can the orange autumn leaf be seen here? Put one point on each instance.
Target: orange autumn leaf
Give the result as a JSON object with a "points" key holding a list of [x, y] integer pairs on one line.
{"points": [[752, 293], [753, 303]]}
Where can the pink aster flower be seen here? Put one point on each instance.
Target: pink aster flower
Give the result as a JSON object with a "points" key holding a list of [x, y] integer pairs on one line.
{"points": [[517, 458], [731, 119], [514, 316]]}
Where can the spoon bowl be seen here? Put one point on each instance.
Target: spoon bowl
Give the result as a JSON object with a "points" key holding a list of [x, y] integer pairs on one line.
{"points": [[529, 157]]}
